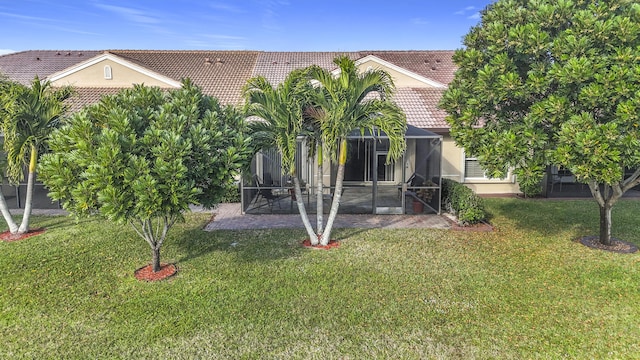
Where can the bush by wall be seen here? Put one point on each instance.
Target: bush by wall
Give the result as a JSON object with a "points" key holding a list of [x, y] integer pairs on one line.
{"points": [[462, 202], [232, 194]]}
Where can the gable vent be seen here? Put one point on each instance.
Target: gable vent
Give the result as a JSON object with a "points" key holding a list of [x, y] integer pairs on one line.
{"points": [[107, 72]]}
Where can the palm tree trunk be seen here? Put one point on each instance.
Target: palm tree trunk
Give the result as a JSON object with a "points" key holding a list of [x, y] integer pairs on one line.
{"points": [[313, 238], [335, 204], [319, 189], [13, 227], [28, 203]]}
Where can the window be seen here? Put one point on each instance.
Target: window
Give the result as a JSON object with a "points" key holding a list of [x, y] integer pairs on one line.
{"points": [[474, 172], [107, 72], [472, 169]]}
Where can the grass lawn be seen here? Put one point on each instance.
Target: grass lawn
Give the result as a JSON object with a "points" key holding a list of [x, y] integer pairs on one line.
{"points": [[527, 290]]}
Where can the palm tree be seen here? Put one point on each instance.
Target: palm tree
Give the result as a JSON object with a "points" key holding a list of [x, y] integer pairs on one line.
{"points": [[348, 102], [282, 112], [28, 116]]}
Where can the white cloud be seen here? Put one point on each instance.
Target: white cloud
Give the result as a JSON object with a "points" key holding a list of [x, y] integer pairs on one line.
{"points": [[131, 14], [419, 21], [223, 37], [475, 16], [24, 17], [226, 7], [465, 11], [6, 51]]}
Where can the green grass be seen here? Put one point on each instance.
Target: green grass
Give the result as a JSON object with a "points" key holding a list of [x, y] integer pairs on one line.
{"points": [[527, 290]]}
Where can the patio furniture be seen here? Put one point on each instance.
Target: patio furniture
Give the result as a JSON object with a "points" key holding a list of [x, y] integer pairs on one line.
{"points": [[266, 194], [562, 176]]}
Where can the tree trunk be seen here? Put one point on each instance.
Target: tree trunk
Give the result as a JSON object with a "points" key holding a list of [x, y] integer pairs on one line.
{"points": [[28, 203], [156, 259], [13, 227], [335, 204], [606, 196], [154, 235], [313, 238], [605, 224], [319, 192]]}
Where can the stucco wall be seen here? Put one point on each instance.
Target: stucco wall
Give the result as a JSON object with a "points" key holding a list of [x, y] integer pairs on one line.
{"points": [[453, 168], [399, 79], [93, 76]]}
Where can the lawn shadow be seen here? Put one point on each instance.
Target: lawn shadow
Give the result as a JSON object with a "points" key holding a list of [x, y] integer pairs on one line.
{"points": [[247, 245], [580, 217], [548, 217], [51, 222]]}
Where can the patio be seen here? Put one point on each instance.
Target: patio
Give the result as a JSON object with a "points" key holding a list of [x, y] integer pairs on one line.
{"points": [[230, 217]]}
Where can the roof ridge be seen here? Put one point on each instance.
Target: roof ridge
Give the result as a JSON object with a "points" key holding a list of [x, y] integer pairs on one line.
{"points": [[178, 51]]}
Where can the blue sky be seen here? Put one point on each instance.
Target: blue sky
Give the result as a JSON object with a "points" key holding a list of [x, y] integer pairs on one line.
{"points": [[274, 25]]}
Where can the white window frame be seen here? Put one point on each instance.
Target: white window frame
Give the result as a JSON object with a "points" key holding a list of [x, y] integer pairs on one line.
{"points": [[108, 74], [508, 179]]}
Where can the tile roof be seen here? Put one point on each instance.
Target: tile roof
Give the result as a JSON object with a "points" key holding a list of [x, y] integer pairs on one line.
{"points": [[433, 64], [25, 65], [219, 73], [275, 66], [84, 96], [421, 107], [223, 73]]}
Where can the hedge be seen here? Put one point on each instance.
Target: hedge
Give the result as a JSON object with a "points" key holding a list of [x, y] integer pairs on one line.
{"points": [[462, 202]]}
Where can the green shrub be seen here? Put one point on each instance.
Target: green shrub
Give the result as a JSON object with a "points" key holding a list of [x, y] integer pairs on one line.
{"points": [[462, 202], [231, 194], [530, 183], [531, 189]]}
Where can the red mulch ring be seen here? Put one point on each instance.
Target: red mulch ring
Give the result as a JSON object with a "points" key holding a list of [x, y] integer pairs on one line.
{"points": [[146, 273], [7, 236], [332, 244], [617, 245]]}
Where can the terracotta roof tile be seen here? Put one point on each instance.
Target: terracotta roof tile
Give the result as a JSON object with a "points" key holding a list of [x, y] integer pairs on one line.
{"points": [[224, 73], [421, 107], [87, 96], [275, 66], [219, 73], [25, 65], [433, 64]]}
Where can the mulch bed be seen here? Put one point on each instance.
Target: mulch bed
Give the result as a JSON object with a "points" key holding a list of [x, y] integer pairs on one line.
{"points": [[7, 236], [617, 245], [146, 273], [332, 244], [480, 227]]}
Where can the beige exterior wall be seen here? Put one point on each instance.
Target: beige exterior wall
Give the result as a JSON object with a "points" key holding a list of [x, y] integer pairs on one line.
{"points": [[122, 76], [399, 79], [453, 168]]}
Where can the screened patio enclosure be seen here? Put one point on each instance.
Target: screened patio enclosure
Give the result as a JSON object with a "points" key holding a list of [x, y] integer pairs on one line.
{"points": [[409, 185]]}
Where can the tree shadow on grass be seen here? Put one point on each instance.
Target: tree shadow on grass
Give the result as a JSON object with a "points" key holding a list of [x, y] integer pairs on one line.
{"points": [[50, 222], [548, 217], [247, 245]]}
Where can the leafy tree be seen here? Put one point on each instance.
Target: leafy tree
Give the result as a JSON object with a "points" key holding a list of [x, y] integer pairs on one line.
{"points": [[27, 117], [544, 83], [346, 103], [143, 156]]}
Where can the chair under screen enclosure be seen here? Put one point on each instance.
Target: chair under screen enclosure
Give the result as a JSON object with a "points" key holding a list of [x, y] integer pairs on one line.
{"points": [[265, 193]]}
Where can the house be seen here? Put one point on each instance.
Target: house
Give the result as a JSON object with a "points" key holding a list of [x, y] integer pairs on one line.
{"points": [[420, 78]]}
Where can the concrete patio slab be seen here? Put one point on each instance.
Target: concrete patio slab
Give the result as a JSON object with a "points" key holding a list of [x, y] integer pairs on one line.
{"points": [[229, 217]]}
